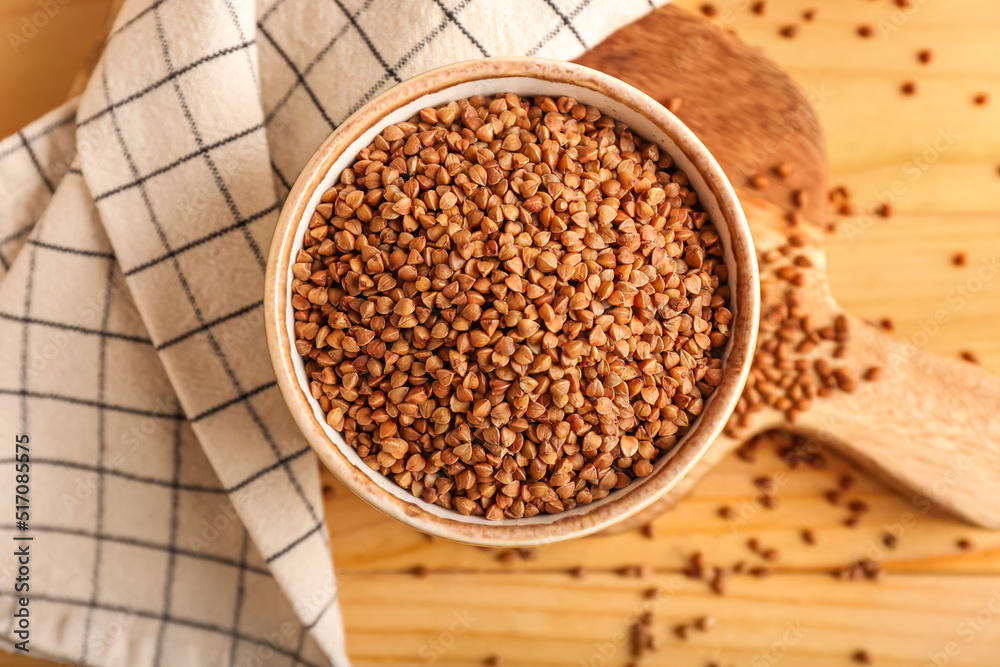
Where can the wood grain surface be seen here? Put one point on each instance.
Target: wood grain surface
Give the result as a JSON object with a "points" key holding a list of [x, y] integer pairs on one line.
{"points": [[938, 154]]}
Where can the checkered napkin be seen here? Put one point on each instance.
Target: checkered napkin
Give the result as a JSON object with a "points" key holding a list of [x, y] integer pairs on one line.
{"points": [[174, 510]]}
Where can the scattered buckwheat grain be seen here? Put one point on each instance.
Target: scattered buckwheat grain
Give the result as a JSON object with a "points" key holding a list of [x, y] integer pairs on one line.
{"points": [[874, 373], [969, 356], [800, 198], [641, 633], [864, 568], [862, 657]]}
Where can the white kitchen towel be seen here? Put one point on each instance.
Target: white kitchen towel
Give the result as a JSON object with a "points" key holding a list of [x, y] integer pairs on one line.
{"points": [[174, 509]]}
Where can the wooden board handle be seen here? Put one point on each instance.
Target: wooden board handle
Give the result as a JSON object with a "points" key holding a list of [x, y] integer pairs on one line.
{"points": [[930, 425]]}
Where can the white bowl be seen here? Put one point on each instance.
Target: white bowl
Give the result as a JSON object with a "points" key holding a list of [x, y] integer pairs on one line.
{"points": [[524, 77]]}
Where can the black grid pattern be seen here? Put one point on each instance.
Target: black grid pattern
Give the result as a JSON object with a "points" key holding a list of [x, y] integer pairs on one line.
{"points": [[31, 163], [298, 95], [102, 374], [179, 469], [182, 442], [166, 619], [565, 21], [130, 541], [172, 260]]}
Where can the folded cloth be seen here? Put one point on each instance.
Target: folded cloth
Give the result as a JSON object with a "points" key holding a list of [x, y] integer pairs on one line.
{"points": [[174, 511]]}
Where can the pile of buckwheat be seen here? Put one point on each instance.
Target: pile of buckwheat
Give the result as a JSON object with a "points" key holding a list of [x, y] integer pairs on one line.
{"points": [[511, 306]]}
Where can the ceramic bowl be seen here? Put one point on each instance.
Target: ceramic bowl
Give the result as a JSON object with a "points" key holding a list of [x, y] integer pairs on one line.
{"points": [[525, 77]]}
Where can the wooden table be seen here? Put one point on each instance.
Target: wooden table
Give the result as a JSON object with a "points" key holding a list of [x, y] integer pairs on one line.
{"points": [[937, 603]]}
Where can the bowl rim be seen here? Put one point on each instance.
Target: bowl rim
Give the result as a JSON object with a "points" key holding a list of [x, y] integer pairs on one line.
{"points": [[551, 528]]}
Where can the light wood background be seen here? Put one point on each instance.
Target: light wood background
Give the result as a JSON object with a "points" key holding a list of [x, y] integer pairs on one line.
{"points": [[937, 604]]}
